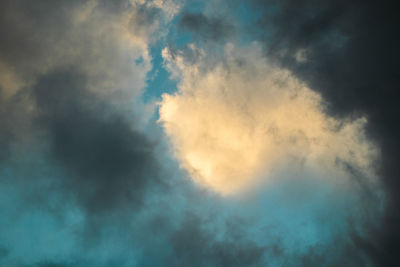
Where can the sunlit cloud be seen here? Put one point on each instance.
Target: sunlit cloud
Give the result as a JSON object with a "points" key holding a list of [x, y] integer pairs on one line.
{"points": [[245, 119]]}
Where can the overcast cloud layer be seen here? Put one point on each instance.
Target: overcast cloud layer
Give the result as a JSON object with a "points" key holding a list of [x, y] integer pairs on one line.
{"points": [[198, 133]]}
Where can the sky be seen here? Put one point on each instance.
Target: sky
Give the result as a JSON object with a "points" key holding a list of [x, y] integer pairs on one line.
{"points": [[199, 133]]}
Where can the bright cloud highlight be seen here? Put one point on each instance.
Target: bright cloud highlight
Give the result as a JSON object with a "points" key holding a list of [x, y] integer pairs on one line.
{"points": [[244, 119]]}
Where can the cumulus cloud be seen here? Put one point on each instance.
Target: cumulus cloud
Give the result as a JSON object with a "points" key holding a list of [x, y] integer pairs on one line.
{"points": [[246, 119]]}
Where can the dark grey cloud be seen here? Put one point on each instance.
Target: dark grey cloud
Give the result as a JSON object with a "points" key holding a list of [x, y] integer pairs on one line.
{"points": [[89, 154], [114, 5], [56, 131], [145, 19], [104, 157], [206, 28], [29, 29], [107, 162], [348, 51], [8, 112], [195, 245]]}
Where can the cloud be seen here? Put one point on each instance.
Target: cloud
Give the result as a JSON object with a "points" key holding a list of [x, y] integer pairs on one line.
{"points": [[351, 51], [85, 167], [194, 244], [246, 119], [84, 183], [108, 40], [108, 163], [206, 28], [71, 74], [72, 157]]}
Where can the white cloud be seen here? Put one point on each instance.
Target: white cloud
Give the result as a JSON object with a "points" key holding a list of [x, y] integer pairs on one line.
{"points": [[246, 120]]}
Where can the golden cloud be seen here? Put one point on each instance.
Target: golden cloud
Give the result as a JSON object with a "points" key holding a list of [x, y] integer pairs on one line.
{"points": [[244, 119]]}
